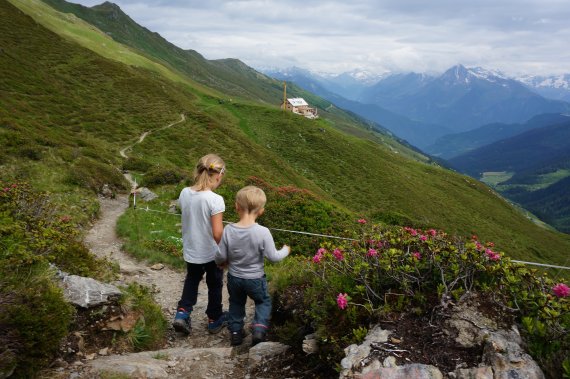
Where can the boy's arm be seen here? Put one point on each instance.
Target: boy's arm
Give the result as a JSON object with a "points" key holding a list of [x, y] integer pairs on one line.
{"points": [[271, 251]]}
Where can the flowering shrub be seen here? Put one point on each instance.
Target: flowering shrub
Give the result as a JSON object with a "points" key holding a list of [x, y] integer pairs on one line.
{"points": [[396, 269]]}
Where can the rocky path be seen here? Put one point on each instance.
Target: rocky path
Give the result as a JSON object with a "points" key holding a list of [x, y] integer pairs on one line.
{"points": [[200, 355]]}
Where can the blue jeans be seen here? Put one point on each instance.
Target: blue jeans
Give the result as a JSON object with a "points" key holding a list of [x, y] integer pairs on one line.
{"points": [[239, 289], [214, 280]]}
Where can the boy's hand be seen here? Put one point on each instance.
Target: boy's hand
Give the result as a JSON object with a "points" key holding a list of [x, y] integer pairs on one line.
{"points": [[288, 249], [223, 266]]}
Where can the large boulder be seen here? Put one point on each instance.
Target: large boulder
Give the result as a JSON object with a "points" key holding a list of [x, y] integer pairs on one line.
{"points": [[88, 292]]}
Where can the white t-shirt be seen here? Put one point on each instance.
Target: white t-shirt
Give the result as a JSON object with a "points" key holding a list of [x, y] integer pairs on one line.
{"points": [[197, 209]]}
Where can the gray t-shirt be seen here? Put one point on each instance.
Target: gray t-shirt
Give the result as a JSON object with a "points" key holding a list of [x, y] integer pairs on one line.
{"points": [[197, 238], [244, 249]]}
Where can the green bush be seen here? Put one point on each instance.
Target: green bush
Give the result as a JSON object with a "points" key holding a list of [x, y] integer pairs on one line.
{"points": [[92, 174], [136, 164], [34, 318], [163, 175], [348, 286], [151, 326], [33, 314]]}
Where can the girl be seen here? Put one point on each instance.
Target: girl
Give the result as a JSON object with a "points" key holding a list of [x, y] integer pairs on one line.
{"points": [[202, 227]]}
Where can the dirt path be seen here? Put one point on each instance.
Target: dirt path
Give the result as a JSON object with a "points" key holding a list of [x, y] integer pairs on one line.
{"points": [[123, 152], [199, 355]]}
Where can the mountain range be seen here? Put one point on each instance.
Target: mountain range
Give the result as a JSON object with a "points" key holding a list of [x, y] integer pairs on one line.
{"points": [[77, 96], [422, 108]]}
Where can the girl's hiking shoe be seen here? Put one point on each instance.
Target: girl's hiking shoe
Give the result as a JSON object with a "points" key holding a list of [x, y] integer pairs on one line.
{"points": [[181, 323], [215, 326], [236, 338]]}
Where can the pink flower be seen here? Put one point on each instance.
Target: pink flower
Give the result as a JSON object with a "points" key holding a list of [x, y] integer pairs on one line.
{"points": [[413, 232], [65, 218], [560, 290], [362, 221], [478, 246], [372, 253], [380, 244], [474, 237], [342, 300], [490, 244], [492, 255], [432, 232], [14, 185], [321, 251], [338, 254], [417, 255], [423, 238]]}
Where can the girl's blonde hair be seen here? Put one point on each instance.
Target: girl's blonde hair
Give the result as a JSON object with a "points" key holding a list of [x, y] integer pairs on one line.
{"points": [[206, 170], [251, 199]]}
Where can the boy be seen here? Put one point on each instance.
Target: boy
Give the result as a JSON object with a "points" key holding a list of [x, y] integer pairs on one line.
{"points": [[243, 247]]}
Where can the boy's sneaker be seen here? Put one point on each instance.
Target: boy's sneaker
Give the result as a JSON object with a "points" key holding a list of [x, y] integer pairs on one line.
{"points": [[236, 338], [181, 322], [257, 336], [215, 326]]}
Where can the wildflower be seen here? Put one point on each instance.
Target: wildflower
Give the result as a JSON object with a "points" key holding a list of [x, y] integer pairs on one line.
{"points": [[338, 254], [342, 300], [317, 258], [413, 232], [492, 255], [561, 290], [432, 232], [474, 237], [423, 238], [362, 221], [14, 185], [65, 218], [490, 244], [417, 255], [321, 251], [478, 246], [372, 253]]}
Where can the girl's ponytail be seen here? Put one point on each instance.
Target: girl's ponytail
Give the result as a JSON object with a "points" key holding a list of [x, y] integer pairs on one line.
{"points": [[204, 174]]}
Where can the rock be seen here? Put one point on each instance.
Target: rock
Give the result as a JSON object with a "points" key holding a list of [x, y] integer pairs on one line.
{"points": [[484, 372], [508, 360], [104, 351], [145, 194], [157, 267], [107, 192], [88, 292], [416, 371], [310, 344], [122, 323], [264, 351], [147, 364], [356, 353], [472, 325], [390, 362]]}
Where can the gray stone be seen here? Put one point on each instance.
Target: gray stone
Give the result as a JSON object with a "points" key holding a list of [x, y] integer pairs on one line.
{"points": [[265, 350], [355, 354], [145, 194], [416, 371], [88, 292], [508, 360], [310, 344], [390, 362], [484, 372], [158, 364]]}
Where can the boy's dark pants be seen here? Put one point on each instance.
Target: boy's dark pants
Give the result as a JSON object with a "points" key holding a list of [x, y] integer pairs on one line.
{"points": [[239, 289], [214, 280]]}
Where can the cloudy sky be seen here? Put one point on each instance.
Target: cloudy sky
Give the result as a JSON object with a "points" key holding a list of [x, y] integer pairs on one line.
{"points": [[514, 36]]}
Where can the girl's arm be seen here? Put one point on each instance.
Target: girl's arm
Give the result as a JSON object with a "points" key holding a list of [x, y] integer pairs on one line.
{"points": [[217, 226]]}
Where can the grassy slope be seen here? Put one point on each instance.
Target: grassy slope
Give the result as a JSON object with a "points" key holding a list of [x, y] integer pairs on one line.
{"points": [[230, 76], [102, 105]]}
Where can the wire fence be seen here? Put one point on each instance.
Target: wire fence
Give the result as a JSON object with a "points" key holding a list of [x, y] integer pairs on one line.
{"points": [[147, 209]]}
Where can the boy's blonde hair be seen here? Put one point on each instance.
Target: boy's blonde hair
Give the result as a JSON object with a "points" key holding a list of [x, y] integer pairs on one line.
{"points": [[251, 199], [206, 170]]}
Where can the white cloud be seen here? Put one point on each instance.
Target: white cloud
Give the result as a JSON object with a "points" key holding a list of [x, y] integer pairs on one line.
{"points": [[515, 36]]}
